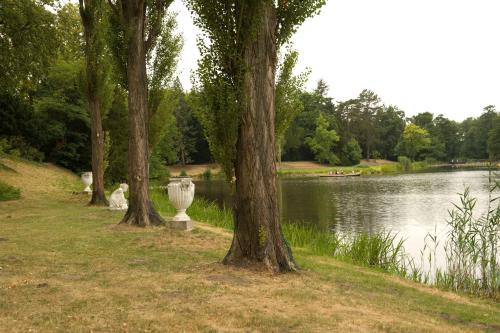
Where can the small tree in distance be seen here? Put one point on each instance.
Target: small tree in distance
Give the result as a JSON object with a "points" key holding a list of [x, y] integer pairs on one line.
{"points": [[414, 140], [323, 141]]}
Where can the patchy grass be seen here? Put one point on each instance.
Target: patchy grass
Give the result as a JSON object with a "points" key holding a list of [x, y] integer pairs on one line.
{"points": [[66, 267]]}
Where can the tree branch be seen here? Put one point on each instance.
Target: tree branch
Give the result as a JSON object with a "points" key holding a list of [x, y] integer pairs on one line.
{"points": [[160, 7]]}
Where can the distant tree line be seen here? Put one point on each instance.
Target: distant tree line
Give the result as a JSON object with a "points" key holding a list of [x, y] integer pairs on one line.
{"points": [[363, 127]]}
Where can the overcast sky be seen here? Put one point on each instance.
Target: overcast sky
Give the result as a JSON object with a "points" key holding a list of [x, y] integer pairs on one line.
{"points": [[441, 56]]}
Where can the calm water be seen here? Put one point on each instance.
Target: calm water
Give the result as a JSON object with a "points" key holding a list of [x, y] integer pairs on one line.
{"points": [[410, 204]]}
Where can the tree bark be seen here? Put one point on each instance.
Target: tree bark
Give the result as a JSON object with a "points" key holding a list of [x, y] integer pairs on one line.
{"points": [[98, 196], [258, 239], [89, 21], [141, 211]]}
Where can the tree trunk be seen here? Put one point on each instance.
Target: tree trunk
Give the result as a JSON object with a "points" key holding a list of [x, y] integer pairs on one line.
{"points": [[141, 211], [90, 20], [98, 196], [258, 239]]}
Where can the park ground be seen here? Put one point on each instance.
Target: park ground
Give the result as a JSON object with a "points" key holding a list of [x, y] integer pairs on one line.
{"points": [[66, 267]]}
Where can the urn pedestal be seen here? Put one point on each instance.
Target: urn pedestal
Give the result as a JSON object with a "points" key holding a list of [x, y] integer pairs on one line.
{"points": [[181, 194], [87, 181]]}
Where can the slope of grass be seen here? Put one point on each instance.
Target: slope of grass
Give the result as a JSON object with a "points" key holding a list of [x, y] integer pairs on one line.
{"points": [[66, 267]]}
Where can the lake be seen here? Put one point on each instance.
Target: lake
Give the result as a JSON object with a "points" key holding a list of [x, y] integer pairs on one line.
{"points": [[410, 204]]}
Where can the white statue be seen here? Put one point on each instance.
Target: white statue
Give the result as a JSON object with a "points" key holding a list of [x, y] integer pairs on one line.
{"points": [[117, 199], [87, 181]]}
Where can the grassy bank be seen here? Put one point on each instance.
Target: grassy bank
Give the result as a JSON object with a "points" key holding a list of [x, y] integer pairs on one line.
{"points": [[66, 267], [381, 251], [471, 247]]}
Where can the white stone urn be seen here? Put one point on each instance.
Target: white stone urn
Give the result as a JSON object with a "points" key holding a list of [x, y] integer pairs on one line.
{"points": [[181, 195], [87, 181]]}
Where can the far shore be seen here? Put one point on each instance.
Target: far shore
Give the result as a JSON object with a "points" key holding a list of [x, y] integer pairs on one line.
{"points": [[311, 169]]}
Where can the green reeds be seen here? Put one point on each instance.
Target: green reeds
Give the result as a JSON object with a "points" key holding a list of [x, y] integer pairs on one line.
{"points": [[471, 249], [380, 250]]}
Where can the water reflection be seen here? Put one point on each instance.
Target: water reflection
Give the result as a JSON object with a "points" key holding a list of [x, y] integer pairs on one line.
{"points": [[410, 204]]}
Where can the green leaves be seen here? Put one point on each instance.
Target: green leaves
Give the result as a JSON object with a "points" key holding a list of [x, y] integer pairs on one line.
{"points": [[229, 27], [413, 141], [291, 14], [323, 141], [28, 42], [288, 94]]}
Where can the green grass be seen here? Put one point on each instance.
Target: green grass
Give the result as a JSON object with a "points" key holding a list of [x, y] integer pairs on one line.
{"points": [[469, 250], [361, 168], [380, 250], [68, 267], [364, 170], [8, 192]]}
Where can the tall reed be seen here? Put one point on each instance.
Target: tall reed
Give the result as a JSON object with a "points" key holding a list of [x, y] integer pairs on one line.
{"points": [[471, 249]]}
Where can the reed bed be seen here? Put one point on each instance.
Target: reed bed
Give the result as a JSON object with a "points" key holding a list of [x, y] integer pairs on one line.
{"points": [[471, 247]]}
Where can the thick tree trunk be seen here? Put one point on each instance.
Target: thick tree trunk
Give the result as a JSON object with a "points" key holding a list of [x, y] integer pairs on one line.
{"points": [[258, 239], [141, 211], [97, 138], [98, 196]]}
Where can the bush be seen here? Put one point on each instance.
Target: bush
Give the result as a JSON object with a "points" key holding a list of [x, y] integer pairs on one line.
{"points": [[8, 192], [183, 173], [158, 169], [17, 146], [352, 152], [388, 168], [207, 175], [405, 163]]}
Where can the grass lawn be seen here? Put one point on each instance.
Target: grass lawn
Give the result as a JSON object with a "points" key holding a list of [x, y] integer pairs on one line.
{"points": [[65, 267]]}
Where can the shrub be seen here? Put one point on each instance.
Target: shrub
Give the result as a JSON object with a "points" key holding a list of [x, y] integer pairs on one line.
{"points": [[207, 175], [17, 146], [405, 163], [8, 192]]}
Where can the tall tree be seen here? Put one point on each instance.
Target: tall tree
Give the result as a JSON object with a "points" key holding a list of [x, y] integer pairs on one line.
{"points": [[304, 125], [238, 72], [98, 87], [27, 44], [70, 34], [447, 132], [369, 105], [390, 124], [494, 141], [323, 141], [414, 140], [289, 89], [139, 35]]}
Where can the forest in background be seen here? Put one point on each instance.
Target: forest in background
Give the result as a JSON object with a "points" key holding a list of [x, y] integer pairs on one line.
{"points": [[44, 114]]}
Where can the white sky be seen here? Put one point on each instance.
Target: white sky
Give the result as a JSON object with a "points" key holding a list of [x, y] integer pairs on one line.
{"points": [[441, 56]]}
